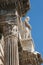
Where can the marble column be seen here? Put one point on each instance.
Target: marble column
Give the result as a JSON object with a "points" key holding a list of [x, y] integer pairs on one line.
{"points": [[2, 50], [11, 45]]}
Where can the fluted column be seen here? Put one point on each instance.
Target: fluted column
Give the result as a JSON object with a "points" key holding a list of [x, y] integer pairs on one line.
{"points": [[11, 45], [2, 51]]}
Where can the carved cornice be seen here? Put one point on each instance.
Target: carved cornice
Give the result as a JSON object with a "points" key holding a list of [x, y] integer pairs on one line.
{"points": [[22, 6]]}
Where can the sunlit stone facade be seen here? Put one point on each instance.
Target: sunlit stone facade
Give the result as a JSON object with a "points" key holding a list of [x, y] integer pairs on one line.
{"points": [[16, 43]]}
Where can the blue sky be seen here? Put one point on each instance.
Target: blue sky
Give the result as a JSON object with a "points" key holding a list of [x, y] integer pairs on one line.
{"points": [[36, 21]]}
